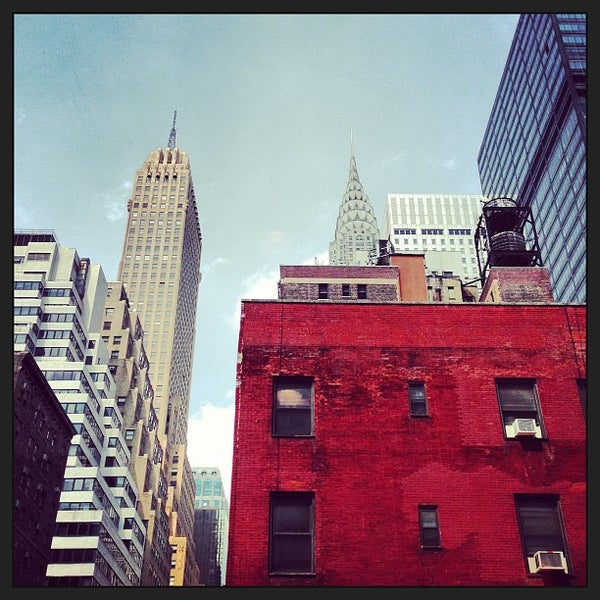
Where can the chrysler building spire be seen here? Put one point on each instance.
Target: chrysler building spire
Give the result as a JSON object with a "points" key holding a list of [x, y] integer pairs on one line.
{"points": [[356, 232]]}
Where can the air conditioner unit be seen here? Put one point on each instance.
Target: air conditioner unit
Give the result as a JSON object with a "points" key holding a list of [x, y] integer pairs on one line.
{"points": [[524, 427], [549, 560]]}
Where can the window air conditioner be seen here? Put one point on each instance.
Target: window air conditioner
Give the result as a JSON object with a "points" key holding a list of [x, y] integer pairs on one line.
{"points": [[549, 560], [524, 427]]}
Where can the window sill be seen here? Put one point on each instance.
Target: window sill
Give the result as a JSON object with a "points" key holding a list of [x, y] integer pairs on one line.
{"points": [[291, 574]]}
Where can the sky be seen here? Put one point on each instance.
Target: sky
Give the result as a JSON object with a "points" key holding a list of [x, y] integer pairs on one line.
{"points": [[267, 105]]}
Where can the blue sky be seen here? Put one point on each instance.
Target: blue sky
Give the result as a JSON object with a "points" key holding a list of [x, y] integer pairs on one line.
{"points": [[265, 105]]}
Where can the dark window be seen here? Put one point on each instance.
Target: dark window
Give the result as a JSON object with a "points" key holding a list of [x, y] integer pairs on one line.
{"points": [[519, 408], [417, 399], [292, 525], [292, 406], [430, 527], [323, 291], [361, 291], [345, 290], [541, 528]]}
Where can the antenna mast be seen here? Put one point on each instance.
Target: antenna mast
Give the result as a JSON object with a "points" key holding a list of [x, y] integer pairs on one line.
{"points": [[173, 134]]}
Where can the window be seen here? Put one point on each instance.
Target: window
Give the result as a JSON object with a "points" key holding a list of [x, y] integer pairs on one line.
{"points": [[430, 527], [323, 291], [519, 408], [292, 406], [361, 291], [38, 256], [345, 290], [291, 532], [541, 527], [417, 399]]}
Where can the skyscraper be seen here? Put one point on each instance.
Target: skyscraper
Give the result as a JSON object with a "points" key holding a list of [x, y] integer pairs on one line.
{"points": [[123, 334], [160, 268], [441, 226], [356, 232], [211, 525], [58, 307], [534, 147]]}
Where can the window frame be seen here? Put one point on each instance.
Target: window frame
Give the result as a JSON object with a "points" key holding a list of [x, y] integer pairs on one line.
{"points": [[529, 407], [431, 511], [361, 291], [547, 507], [323, 293], [415, 402], [305, 531], [287, 418]]}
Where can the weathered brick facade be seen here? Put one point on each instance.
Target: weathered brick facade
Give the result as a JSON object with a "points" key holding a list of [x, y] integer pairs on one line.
{"points": [[302, 282], [371, 465], [517, 284]]}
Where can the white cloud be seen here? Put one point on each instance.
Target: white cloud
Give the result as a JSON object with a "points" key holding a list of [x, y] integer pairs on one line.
{"points": [[211, 267], [115, 205], [22, 217], [386, 162], [261, 286], [114, 210], [20, 118], [449, 164], [210, 440], [274, 237]]}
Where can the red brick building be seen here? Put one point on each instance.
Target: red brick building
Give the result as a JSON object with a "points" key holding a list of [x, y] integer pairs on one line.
{"points": [[407, 443]]}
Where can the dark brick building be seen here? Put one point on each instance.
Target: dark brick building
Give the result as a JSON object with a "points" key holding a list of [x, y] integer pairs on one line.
{"points": [[42, 434], [407, 443]]}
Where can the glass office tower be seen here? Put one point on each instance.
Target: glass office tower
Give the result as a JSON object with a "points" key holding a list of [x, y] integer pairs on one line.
{"points": [[534, 146]]}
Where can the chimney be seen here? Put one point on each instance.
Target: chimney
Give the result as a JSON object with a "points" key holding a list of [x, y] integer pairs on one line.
{"points": [[517, 285], [412, 280]]}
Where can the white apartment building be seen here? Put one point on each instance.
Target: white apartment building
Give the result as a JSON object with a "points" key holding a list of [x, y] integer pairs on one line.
{"points": [[442, 226], [58, 306]]}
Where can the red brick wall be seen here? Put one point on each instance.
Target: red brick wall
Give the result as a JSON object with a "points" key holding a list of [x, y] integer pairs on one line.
{"points": [[518, 284], [370, 465]]}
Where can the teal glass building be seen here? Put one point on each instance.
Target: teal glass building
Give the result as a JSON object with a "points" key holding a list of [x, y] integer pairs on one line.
{"points": [[534, 146]]}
